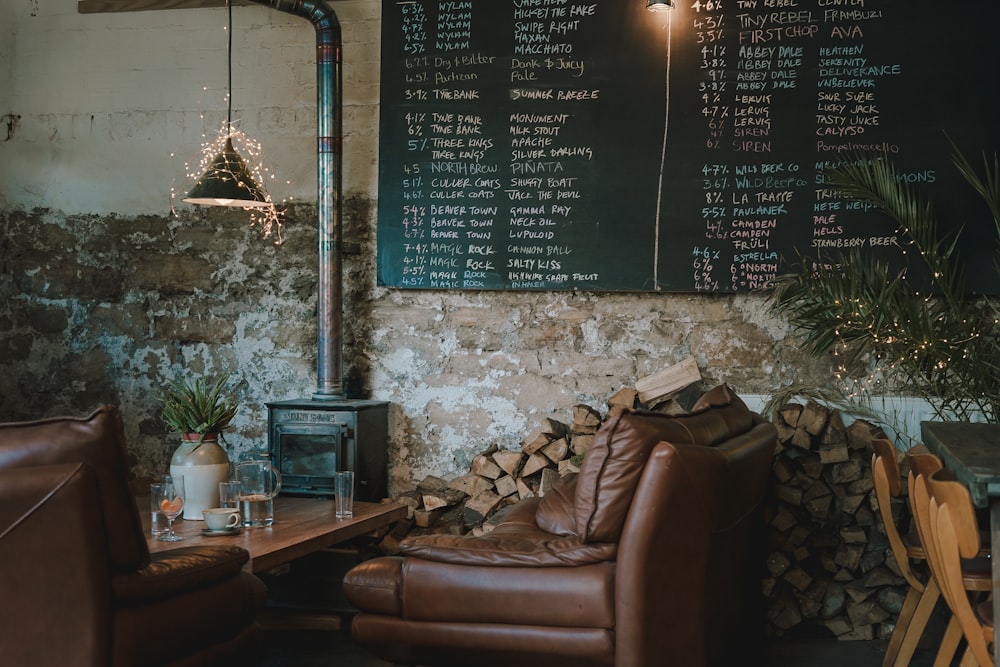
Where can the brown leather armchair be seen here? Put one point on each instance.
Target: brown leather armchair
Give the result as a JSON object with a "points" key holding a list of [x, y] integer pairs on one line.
{"points": [[77, 583], [640, 560]]}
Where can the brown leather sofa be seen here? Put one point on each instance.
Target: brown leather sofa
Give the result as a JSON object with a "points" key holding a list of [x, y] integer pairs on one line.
{"points": [[77, 583], [640, 560]]}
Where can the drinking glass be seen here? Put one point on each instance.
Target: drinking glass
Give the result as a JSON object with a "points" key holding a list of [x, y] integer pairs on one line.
{"points": [[169, 497], [158, 522], [229, 493]]}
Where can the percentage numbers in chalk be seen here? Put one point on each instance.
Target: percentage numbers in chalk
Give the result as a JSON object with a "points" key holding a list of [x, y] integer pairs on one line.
{"points": [[708, 6], [709, 36]]}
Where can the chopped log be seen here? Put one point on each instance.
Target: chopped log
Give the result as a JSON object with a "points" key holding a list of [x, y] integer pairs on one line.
{"points": [[534, 463], [811, 466], [842, 473], [555, 428], [556, 450], [486, 467], [567, 466], [667, 381], [860, 435], [427, 518], [471, 484], [509, 462], [536, 442], [432, 483], [833, 441], [798, 578], [814, 418], [624, 397], [801, 438], [506, 486], [446, 497], [789, 494], [790, 414], [479, 507], [523, 490], [585, 419], [785, 431]]}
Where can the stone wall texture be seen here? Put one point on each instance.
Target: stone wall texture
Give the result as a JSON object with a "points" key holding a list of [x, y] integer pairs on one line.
{"points": [[109, 287]]}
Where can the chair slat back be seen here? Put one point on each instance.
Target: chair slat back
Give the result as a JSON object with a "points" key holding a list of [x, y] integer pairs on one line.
{"points": [[953, 531], [888, 485]]}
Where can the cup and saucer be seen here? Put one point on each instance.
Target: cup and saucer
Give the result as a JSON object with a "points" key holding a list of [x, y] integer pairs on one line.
{"points": [[221, 521]]}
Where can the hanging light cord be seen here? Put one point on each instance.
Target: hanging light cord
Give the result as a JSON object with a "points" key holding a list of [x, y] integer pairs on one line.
{"points": [[229, 60]]}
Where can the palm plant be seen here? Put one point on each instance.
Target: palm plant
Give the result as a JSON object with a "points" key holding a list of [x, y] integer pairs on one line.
{"points": [[943, 344], [193, 406]]}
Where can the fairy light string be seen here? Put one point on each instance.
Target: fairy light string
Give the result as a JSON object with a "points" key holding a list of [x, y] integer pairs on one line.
{"points": [[267, 218]]}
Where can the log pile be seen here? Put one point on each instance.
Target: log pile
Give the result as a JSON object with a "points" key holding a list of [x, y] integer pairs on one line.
{"points": [[474, 502], [829, 568]]}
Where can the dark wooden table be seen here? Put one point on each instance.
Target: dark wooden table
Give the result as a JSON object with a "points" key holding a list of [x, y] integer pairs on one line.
{"points": [[301, 526], [972, 452]]}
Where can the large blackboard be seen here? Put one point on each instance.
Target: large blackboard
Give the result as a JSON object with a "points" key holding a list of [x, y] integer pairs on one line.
{"points": [[592, 144]]}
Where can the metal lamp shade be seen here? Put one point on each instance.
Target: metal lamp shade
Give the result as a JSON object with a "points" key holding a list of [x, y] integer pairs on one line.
{"points": [[227, 182], [660, 5]]}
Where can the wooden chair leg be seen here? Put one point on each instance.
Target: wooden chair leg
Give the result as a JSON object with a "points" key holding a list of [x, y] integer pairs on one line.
{"points": [[949, 643], [917, 609], [969, 659]]}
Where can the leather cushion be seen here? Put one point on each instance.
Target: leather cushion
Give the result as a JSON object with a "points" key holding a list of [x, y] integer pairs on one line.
{"points": [[179, 570], [508, 546], [555, 511], [98, 441], [611, 468], [423, 590]]}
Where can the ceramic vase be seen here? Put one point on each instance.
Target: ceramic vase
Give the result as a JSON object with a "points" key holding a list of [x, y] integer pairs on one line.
{"points": [[203, 465]]}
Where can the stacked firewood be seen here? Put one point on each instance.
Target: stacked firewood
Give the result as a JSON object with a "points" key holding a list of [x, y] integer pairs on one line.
{"points": [[497, 478], [829, 566]]}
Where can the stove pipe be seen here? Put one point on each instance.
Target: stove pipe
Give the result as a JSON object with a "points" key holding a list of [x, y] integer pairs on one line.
{"points": [[329, 102]]}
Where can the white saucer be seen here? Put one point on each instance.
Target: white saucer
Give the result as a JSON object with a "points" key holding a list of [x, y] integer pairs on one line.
{"points": [[236, 530]]}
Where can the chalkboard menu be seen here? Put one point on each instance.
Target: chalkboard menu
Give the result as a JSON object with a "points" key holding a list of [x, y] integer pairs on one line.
{"points": [[594, 145]]}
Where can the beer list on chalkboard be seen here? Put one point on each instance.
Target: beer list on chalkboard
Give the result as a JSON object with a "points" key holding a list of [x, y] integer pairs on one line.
{"points": [[574, 144]]}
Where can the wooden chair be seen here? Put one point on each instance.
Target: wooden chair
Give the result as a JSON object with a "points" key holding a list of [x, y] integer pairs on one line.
{"points": [[947, 522], [922, 595], [976, 571]]}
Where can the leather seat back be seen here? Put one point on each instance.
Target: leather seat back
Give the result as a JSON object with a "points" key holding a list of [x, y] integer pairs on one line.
{"points": [[99, 442]]}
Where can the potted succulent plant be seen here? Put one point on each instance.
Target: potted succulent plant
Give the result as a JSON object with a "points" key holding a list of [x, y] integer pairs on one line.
{"points": [[199, 412]]}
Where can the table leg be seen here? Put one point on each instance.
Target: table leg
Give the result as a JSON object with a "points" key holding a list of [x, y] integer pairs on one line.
{"points": [[995, 566]]}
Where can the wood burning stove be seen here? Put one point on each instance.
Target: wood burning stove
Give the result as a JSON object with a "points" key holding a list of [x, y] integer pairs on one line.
{"points": [[310, 440]]}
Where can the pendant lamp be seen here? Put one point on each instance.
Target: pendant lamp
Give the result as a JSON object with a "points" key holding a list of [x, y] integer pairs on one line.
{"points": [[660, 5], [227, 181]]}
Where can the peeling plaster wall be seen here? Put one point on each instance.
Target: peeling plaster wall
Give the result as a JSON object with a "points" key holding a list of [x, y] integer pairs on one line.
{"points": [[104, 293]]}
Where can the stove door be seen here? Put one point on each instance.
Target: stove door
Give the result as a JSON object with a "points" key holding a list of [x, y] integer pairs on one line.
{"points": [[308, 454]]}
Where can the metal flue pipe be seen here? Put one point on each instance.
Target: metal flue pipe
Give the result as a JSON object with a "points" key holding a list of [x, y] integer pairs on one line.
{"points": [[329, 104]]}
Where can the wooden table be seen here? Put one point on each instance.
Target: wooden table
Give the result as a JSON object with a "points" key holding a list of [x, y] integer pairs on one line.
{"points": [[301, 527], [972, 452]]}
